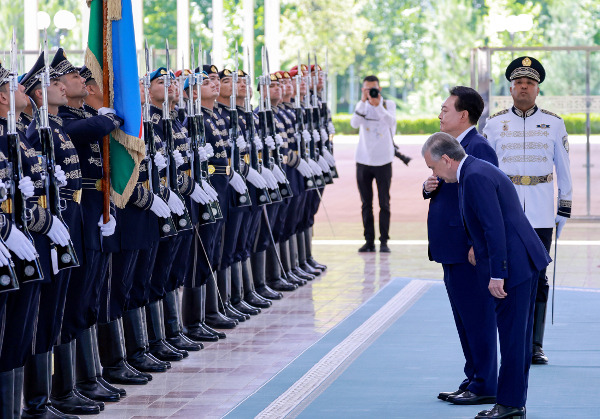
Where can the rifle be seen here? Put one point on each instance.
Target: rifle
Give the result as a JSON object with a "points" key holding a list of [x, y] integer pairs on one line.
{"points": [[319, 180], [20, 214], [194, 120], [264, 128], [324, 115], [300, 127], [241, 199], [166, 225], [319, 145], [261, 196], [66, 256], [182, 222]]}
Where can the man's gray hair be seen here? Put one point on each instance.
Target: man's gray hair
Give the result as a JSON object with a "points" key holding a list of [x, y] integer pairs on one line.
{"points": [[441, 143]]}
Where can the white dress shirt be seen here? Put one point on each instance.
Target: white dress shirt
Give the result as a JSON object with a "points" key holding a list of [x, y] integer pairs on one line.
{"points": [[377, 126]]}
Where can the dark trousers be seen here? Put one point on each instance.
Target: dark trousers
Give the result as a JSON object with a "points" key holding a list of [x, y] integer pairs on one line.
{"points": [[545, 235], [473, 308], [383, 177]]}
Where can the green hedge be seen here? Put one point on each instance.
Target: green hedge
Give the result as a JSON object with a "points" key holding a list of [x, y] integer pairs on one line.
{"points": [[575, 124]]}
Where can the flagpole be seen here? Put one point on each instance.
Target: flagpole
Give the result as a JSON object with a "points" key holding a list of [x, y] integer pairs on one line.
{"points": [[106, 139]]}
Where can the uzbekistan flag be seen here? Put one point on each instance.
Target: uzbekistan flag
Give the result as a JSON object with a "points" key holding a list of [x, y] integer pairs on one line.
{"points": [[127, 147]]}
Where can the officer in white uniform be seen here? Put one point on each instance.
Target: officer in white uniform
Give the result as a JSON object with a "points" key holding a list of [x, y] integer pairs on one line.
{"points": [[533, 150]]}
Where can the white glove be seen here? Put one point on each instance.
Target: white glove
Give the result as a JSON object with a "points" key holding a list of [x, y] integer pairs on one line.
{"points": [[58, 232], [4, 255], [324, 136], [202, 154], [256, 179], [316, 136], [160, 207], [176, 205], [238, 183], [257, 142], [315, 167], [209, 151], [210, 191], [26, 186], [269, 178], [270, 142], [106, 111], [323, 164], [331, 128], [107, 229], [59, 174], [2, 199], [328, 157], [278, 139], [178, 158], [160, 161], [20, 245], [241, 142], [560, 223], [279, 175], [306, 136], [304, 169], [199, 195]]}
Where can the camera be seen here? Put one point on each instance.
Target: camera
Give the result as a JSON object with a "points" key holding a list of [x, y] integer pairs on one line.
{"points": [[374, 92]]}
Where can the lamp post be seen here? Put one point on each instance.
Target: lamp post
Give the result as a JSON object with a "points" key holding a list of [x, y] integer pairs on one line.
{"points": [[512, 24], [64, 22]]}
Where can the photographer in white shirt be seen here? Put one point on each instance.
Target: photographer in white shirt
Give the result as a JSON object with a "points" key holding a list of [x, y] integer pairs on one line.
{"points": [[375, 118]]}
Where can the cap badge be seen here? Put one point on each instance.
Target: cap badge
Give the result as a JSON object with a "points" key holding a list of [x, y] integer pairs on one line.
{"points": [[526, 62]]}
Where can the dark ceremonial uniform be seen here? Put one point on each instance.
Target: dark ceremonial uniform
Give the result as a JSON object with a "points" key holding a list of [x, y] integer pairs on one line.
{"points": [[313, 199], [22, 305], [87, 129], [236, 214], [53, 295], [471, 302]]}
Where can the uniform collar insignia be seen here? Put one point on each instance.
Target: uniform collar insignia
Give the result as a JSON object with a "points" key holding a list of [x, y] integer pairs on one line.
{"points": [[525, 114]]}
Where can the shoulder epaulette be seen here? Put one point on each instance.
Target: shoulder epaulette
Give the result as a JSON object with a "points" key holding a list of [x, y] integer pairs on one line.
{"points": [[502, 112], [550, 113]]}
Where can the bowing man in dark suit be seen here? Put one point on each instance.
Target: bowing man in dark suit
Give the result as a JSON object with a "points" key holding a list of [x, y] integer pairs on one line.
{"points": [[506, 250], [472, 304]]}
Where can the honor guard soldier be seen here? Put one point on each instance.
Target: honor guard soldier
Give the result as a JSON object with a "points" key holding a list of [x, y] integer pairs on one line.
{"points": [[86, 128], [20, 305], [532, 144]]}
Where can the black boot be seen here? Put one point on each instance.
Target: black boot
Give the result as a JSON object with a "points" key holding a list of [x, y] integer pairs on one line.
{"points": [[237, 291], [63, 395], [213, 317], [156, 334], [136, 344], [115, 369], [293, 248], [173, 328], [85, 371], [36, 389], [308, 248], [286, 261], [539, 323], [257, 263], [303, 264], [193, 306], [273, 272], [98, 366], [18, 393], [250, 295], [7, 394], [224, 285]]}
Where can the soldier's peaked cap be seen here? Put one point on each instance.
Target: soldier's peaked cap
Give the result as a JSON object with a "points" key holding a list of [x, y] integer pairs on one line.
{"points": [[61, 65], [31, 79], [525, 67]]}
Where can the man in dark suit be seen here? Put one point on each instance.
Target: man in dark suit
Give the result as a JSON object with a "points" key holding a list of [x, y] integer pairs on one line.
{"points": [[506, 250], [472, 305]]}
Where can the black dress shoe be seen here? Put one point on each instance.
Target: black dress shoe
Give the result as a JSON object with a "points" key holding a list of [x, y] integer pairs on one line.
{"points": [[312, 262], [72, 403], [538, 357], [468, 397], [95, 391], [255, 300], [502, 412], [243, 307], [179, 342], [367, 247], [120, 374], [144, 363], [163, 352], [383, 248], [199, 334], [110, 387], [280, 284], [232, 313], [219, 321], [444, 395], [306, 267], [268, 293]]}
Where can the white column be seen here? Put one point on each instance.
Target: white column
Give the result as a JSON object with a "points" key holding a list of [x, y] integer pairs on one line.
{"points": [[248, 6], [32, 34], [272, 14], [218, 38], [183, 33], [85, 24], [137, 10]]}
